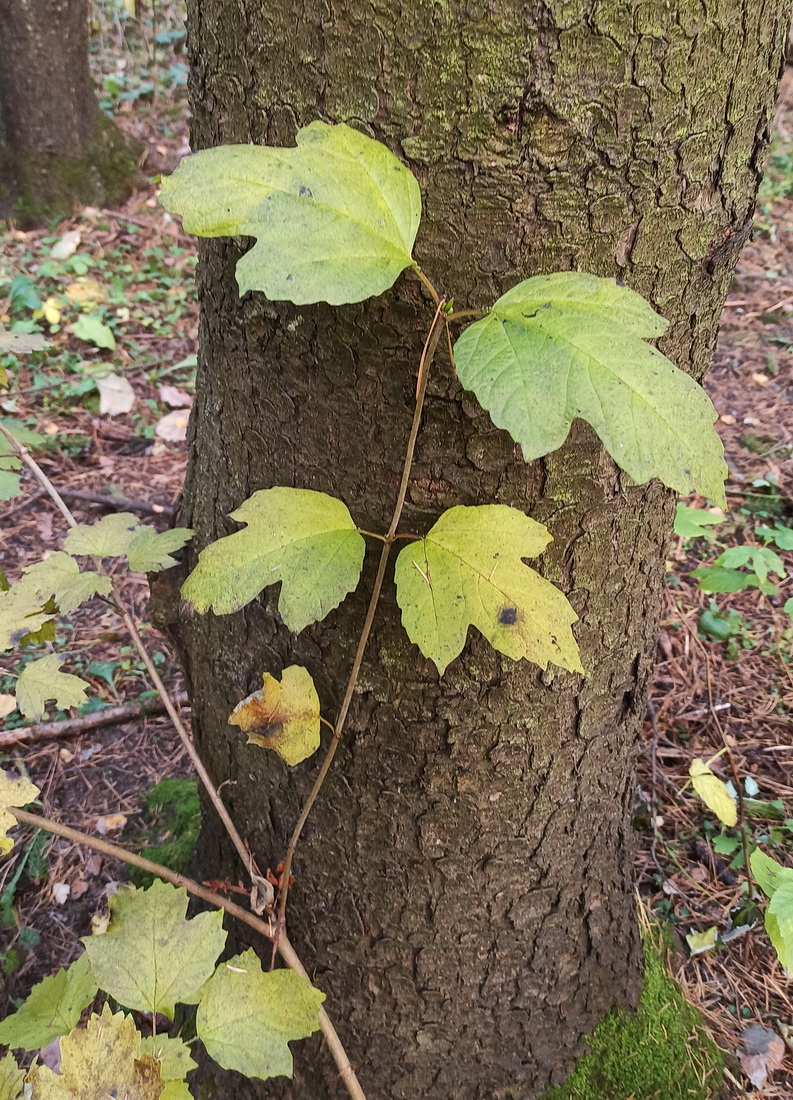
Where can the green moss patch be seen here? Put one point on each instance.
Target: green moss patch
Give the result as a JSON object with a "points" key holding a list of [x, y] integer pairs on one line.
{"points": [[661, 1052], [171, 833]]}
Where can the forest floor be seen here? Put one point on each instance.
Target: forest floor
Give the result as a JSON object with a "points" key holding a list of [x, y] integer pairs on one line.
{"points": [[111, 412]]}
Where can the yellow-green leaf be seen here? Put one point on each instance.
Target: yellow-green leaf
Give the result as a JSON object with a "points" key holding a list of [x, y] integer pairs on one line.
{"points": [[41, 680], [52, 1008], [151, 957], [698, 942], [21, 613], [175, 1063], [288, 710], [713, 792], [109, 537], [563, 346], [779, 923], [11, 1079], [58, 576], [149, 552], [99, 1061], [468, 571], [335, 217], [13, 792], [306, 540], [246, 1017], [767, 873]]}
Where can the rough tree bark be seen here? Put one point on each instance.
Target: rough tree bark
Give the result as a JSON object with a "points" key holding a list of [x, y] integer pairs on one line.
{"points": [[57, 149], [464, 889]]}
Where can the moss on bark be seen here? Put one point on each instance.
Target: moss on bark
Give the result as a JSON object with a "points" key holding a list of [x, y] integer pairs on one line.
{"points": [[35, 186], [660, 1052]]}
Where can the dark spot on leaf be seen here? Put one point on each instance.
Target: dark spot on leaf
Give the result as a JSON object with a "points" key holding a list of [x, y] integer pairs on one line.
{"points": [[508, 616], [620, 282], [289, 278], [306, 192]]}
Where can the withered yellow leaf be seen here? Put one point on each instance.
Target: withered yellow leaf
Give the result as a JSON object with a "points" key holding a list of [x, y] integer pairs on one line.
{"points": [[713, 792], [287, 710], [13, 792]]}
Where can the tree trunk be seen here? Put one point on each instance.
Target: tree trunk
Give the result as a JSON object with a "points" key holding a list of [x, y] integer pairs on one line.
{"points": [[464, 887], [57, 149]]}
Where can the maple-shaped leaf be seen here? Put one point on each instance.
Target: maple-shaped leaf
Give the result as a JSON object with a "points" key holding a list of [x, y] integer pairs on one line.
{"points": [[42, 680], [10, 462], [21, 613], [149, 552], [11, 1079], [99, 1061], [59, 576], [558, 347], [246, 1017], [288, 711], [151, 957], [335, 217], [109, 537], [52, 1008], [713, 792], [768, 873], [13, 792], [468, 571], [305, 539]]}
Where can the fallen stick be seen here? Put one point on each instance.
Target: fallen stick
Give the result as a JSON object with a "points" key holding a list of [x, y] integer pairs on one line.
{"points": [[70, 727], [121, 504]]}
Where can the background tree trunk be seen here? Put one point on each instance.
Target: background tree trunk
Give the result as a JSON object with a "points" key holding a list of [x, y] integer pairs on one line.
{"points": [[57, 149], [464, 889]]}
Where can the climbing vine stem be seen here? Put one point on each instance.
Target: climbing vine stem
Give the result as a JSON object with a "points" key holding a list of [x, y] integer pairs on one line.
{"points": [[436, 329]]}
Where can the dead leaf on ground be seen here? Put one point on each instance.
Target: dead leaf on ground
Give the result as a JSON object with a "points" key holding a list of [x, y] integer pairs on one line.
{"points": [[7, 704], [111, 823], [67, 245], [176, 398], [173, 427], [60, 892], [116, 395], [762, 1051]]}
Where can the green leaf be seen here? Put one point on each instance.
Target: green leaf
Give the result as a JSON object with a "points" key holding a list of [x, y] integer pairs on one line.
{"points": [[151, 957], [767, 873], [41, 680], [782, 536], [288, 713], [20, 614], [306, 540], [101, 1060], [713, 578], [109, 537], [90, 328], [246, 1017], [10, 484], [32, 440], [20, 343], [11, 1079], [52, 1008], [59, 576], [761, 559], [149, 552], [702, 941], [468, 571], [788, 607], [335, 218], [174, 1058], [563, 346], [779, 923], [692, 523]]}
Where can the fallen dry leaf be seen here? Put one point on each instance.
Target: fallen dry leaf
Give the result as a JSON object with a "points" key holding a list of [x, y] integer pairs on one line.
{"points": [[116, 395], [7, 704], [761, 1052], [60, 892], [79, 887], [173, 427], [67, 245], [111, 823], [175, 397]]}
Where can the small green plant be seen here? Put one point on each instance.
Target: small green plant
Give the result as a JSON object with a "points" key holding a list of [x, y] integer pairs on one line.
{"points": [[335, 220]]}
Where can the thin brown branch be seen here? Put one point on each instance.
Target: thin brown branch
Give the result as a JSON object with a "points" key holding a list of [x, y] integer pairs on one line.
{"points": [[72, 727], [119, 504], [427, 355], [285, 949]]}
